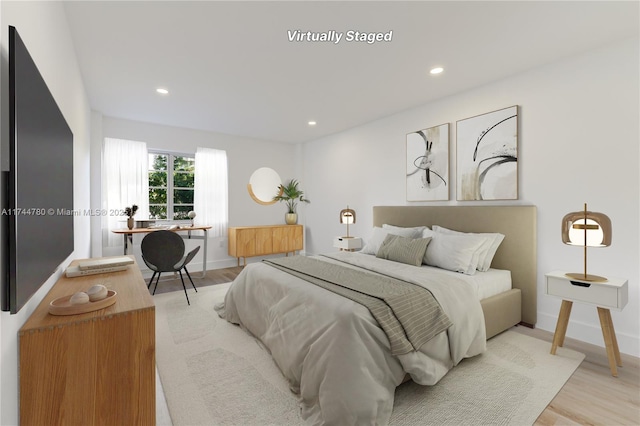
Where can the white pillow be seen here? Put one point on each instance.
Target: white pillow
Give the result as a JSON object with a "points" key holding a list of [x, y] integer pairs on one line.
{"points": [[378, 235], [480, 254], [416, 231], [497, 240], [486, 252], [454, 252]]}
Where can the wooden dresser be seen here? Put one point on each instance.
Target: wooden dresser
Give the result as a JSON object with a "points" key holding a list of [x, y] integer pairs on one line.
{"points": [[249, 241], [95, 368]]}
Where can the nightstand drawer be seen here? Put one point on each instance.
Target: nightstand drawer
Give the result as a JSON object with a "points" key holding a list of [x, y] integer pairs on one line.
{"points": [[608, 295], [347, 243]]}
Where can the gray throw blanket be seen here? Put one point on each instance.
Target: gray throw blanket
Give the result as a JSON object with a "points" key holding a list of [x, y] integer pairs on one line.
{"points": [[409, 314]]}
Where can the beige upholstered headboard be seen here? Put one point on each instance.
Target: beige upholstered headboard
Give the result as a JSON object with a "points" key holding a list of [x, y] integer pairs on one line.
{"points": [[517, 252]]}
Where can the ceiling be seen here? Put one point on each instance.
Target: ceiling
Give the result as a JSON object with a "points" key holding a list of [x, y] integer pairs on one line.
{"points": [[230, 67]]}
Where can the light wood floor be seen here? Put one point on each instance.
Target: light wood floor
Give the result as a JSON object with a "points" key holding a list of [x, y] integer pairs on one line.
{"points": [[592, 396]]}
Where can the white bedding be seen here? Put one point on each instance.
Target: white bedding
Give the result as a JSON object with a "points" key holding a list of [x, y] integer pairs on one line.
{"points": [[487, 284], [332, 351]]}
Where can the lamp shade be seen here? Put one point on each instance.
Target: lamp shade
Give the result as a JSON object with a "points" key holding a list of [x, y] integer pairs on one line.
{"points": [[347, 216], [595, 226]]}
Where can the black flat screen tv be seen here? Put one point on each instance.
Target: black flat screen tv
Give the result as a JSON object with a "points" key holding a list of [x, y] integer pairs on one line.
{"points": [[38, 214]]}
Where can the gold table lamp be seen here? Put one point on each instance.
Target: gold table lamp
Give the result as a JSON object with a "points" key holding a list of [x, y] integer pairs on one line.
{"points": [[587, 229], [348, 217]]}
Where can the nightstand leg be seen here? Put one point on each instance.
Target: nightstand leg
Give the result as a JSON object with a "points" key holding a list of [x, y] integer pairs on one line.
{"points": [[561, 326], [610, 340], [614, 340]]}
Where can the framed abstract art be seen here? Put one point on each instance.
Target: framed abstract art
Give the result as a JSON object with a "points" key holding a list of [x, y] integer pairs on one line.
{"points": [[487, 156], [428, 164]]}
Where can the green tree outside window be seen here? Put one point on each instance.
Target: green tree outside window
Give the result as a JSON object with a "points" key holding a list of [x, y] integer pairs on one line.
{"points": [[171, 185]]}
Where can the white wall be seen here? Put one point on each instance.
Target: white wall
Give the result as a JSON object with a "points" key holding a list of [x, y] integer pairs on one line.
{"points": [[578, 142], [44, 30], [244, 156]]}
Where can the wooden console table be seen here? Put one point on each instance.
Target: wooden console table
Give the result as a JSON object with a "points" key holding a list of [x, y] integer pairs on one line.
{"points": [[95, 368], [250, 241], [128, 238]]}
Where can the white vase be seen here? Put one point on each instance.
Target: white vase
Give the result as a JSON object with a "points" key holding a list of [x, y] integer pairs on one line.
{"points": [[291, 218]]}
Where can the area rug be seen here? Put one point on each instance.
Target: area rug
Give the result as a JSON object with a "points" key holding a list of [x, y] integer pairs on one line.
{"points": [[213, 373]]}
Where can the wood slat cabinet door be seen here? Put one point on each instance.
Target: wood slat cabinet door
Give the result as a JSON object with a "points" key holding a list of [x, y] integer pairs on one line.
{"points": [[280, 239], [246, 242], [232, 246], [287, 238], [298, 238], [263, 241]]}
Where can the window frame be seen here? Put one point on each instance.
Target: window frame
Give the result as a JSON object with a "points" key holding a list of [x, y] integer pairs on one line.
{"points": [[170, 188]]}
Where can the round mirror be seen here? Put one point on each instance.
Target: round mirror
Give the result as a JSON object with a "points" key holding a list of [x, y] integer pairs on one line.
{"points": [[263, 185]]}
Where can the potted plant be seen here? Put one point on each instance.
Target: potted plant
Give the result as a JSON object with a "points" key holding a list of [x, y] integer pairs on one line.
{"points": [[290, 194], [130, 212]]}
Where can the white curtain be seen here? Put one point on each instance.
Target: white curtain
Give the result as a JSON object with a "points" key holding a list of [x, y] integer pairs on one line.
{"points": [[126, 182], [211, 198]]}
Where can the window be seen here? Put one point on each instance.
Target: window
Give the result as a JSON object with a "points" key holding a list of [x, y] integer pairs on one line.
{"points": [[171, 185]]}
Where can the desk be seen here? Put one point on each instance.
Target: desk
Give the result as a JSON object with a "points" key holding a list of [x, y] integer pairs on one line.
{"points": [[128, 238]]}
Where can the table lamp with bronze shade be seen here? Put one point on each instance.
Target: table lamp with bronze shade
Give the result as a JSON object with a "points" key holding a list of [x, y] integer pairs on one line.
{"points": [[587, 229], [348, 217]]}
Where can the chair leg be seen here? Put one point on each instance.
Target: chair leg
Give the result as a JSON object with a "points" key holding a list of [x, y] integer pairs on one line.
{"points": [[184, 287], [151, 280], [157, 279], [189, 275]]}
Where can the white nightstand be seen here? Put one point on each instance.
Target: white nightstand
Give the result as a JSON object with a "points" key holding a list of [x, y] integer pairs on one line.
{"points": [[612, 294], [348, 244]]}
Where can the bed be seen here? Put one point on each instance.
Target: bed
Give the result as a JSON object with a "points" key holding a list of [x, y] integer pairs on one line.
{"points": [[517, 253], [336, 356]]}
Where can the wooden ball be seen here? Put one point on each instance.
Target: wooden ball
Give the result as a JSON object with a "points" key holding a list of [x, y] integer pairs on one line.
{"points": [[79, 298], [97, 292]]}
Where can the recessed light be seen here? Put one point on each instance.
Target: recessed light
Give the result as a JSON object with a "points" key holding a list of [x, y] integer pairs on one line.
{"points": [[311, 123], [162, 91], [436, 70]]}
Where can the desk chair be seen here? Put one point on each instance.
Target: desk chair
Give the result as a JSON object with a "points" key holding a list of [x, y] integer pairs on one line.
{"points": [[163, 251]]}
